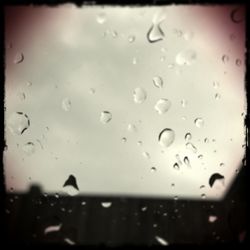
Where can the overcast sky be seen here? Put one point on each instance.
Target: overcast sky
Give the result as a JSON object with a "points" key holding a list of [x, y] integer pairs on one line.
{"points": [[79, 62]]}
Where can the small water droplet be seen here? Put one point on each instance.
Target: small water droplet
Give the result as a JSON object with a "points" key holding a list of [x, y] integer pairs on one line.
{"points": [[66, 104], [183, 103], [153, 169], [172, 185], [70, 186], [114, 34], [155, 225], [146, 155], [215, 178], [191, 147], [200, 157], [216, 84], [139, 95], [69, 241], [83, 203], [238, 62], [57, 195], [131, 38], [158, 82], [176, 166], [21, 96], [222, 164], [105, 117], [186, 161], [124, 139], [217, 96], [212, 218], [202, 186], [166, 137], [188, 136], [29, 84], [19, 57], [163, 58], [188, 35], [225, 58], [92, 91], [155, 33], [203, 196], [106, 204], [131, 128], [139, 143], [199, 122], [134, 60], [162, 106], [143, 209], [29, 148], [186, 57], [206, 140], [101, 18], [18, 122], [176, 198]]}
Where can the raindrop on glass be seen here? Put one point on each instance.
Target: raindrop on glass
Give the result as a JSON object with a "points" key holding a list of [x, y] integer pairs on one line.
{"points": [[139, 95], [70, 186], [19, 57], [202, 186], [105, 117], [199, 122], [153, 169], [200, 157], [146, 155], [188, 136], [217, 96], [18, 122], [66, 104], [158, 82], [131, 38], [215, 178], [176, 166], [106, 204], [191, 147], [203, 196], [29, 148], [83, 203], [186, 57], [225, 58], [101, 18], [238, 62], [131, 128], [166, 137], [155, 33], [162, 106], [186, 161], [69, 241], [134, 60], [124, 139], [54, 228]]}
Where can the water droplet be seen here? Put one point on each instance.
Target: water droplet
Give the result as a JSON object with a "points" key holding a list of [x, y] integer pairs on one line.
{"points": [[134, 60], [162, 106], [199, 122], [200, 157], [203, 196], [21, 96], [222, 164], [139, 143], [153, 169], [225, 58], [186, 161], [131, 38], [238, 62], [176, 198], [70, 186], [216, 84], [212, 218], [158, 81], [232, 37], [178, 158], [66, 104], [29, 148], [114, 34], [54, 228], [155, 33], [188, 136], [186, 57], [191, 147], [172, 185], [106, 204], [69, 241], [101, 18], [139, 95], [176, 166], [183, 103], [236, 15], [105, 117], [202, 186], [143, 209], [217, 96], [124, 139], [163, 58], [83, 203], [206, 140], [188, 35], [161, 241], [166, 137], [92, 91], [18, 122], [146, 155], [29, 84], [19, 57], [131, 128], [215, 177]]}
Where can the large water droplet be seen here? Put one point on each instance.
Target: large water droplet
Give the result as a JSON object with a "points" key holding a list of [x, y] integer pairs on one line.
{"points": [[191, 147], [19, 57], [101, 18], [188, 136], [139, 95], [236, 15], [214, 178], [203, 196], [134, 60], [106, 204], [66, 104], [146, 155], [162, 106], [18, 122], [105, 117], [29, 148], [69, 241], [166, 137], [158, 81], [183, 103], [188, 35], [124, 139], [21, 96], [186, 57], [153, 169], [199, 122], [217, 96], [161, 241], [178, 158], [139, 143], [216, 84], [155, 33], [176, 166], [70, 186]]}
